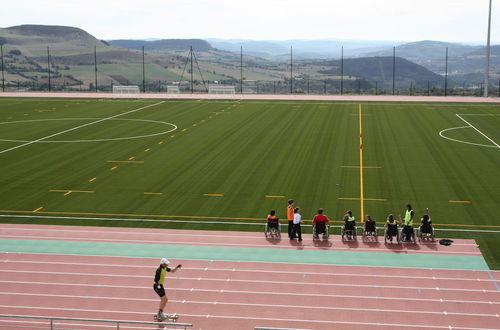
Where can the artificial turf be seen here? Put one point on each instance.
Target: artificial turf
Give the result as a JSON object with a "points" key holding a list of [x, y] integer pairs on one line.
{"points": [[234, 160]]}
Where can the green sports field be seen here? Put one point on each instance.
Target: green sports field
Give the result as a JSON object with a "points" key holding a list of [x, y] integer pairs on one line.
{"points": [[215, 164]]}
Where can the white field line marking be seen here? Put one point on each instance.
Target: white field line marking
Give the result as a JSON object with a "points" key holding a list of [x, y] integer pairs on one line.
{"points": [[78, 127], [249, 262], [303, 320], [301, 306], [293, 294], [488, 138], [433, 288], [377, 276], [441, 133], [305, 247], [101, 230]]}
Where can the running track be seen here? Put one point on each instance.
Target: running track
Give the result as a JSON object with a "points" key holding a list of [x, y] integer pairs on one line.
{"points": [[236, 280]]}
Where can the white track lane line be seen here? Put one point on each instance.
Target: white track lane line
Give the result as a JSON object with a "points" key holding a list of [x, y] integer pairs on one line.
{"points": [[291, 294], [377, 324], [301, 306], [475, 279], [255, 281], [210, 261]]}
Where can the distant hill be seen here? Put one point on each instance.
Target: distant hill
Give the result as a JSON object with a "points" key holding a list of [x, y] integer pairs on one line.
{"points": [[31, 38], [326, 48], [163, 45], [462, 59], [379, 69]]}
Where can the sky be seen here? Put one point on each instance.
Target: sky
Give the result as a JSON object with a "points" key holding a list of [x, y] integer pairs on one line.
{"points": [[391, 20]]}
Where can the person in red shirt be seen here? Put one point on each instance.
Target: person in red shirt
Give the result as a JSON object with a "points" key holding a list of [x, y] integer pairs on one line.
{"points": [[320, 223]]}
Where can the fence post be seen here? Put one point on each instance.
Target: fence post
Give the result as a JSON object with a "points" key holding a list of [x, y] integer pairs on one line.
{"points": [[51, 324], [117, 325]]}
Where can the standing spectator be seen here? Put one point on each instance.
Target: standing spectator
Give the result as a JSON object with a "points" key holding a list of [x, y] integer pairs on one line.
{"points": [[297, 230], [289, 215], [408, 222]]}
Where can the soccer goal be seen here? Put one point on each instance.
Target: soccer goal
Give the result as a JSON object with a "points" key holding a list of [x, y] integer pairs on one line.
{"points": [[173, 90], [126, 90], [221, 90]]}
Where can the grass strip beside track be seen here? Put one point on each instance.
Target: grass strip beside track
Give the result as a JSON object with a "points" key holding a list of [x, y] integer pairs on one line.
{"points": [[245, 254]]}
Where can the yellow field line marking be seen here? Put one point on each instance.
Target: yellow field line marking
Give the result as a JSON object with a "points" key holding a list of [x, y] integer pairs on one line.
{"points": [[366, 199], [355, 166], [38, 209], [274, 196], [194, 217], [194, 125], [131, 158], [113, 168], [152, 193], [161, 142], [463, 202], [172, 136], [185, 129], [361, 185], [67, 192], [93, 179], [147, 150], [213, 195], [126, 161]]}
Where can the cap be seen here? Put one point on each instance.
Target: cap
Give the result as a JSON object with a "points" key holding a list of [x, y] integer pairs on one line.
{"points": [[164, 261]]}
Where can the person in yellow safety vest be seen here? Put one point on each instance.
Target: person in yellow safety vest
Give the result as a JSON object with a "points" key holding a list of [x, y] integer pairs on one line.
{"points": [[408, 222], [350, 223]]}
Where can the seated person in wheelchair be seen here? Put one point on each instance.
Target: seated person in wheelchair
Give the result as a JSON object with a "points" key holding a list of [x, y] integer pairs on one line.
{"points": [[426, 226], [391, 227], [370, 228], [349, 222], [272, 221], [320, 223]]}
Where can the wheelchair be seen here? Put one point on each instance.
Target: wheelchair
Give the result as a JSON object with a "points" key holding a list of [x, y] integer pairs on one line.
{"points": [[370, 230], [407, 234], [321, 228], [390, 232], [426, 232], [273, 229], [348, 231]]}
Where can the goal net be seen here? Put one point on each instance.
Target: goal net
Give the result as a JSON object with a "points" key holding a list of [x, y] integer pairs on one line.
{"points": [[126, 90], [173, 90], [221, 90]]}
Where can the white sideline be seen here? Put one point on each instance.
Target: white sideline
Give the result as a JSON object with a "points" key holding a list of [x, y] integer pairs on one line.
{"points": [[77, 127]]}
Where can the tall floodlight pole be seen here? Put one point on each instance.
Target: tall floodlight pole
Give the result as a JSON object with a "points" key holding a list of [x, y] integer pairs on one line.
{"points": [[446, 73], [487, 70], [291, 71], [342, 71], [191, 54], [241, 69], [48, 64], [393, 69], [3, 77], [143, 73], [95, 67]]}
